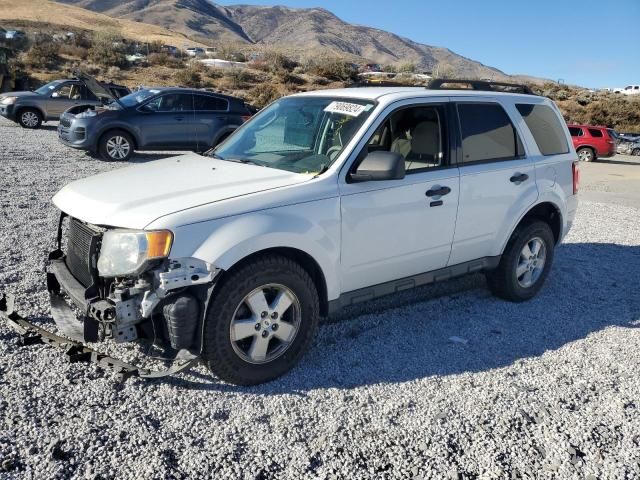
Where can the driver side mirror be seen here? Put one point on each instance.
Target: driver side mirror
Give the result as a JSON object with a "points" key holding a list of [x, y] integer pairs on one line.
{"points": [[380, 165]]}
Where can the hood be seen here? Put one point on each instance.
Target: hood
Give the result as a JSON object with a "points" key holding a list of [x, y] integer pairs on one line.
{"points": [[96, 88], [19, 94], [133, 197]]}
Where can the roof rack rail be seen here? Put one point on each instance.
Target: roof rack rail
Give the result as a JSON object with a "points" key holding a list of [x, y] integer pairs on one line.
{"points": [[483, 85], [380, 84]]}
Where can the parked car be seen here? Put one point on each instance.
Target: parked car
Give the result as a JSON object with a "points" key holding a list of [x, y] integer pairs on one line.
{"points": [[195, 52], [592, 142], [629, 147], [628, 90], [48, 102], [323, 200], [152, 119]]}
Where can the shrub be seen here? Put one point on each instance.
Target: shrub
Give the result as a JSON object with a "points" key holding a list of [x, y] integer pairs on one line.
{"points": [[277, 61], [407, 68], [107, 49], [43, 53], [334, 69], [263, 94], [237, 77], [188, 78], [74, 51], [290, 78], [165, 60]]}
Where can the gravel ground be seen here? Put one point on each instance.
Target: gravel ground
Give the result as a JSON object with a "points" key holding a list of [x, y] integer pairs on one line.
{"points": [[441, 382]]}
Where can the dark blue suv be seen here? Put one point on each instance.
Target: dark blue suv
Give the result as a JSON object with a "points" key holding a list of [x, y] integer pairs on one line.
{"points": [[152, 119]]}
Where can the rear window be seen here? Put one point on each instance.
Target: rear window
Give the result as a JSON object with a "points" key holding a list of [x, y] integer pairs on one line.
{"points": [[487, 133], [594, 132], [211, 103], [575, 131], [545, 127]]}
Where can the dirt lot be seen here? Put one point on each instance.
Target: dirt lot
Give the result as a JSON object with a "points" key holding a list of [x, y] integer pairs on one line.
{"points": [[441, 382]]}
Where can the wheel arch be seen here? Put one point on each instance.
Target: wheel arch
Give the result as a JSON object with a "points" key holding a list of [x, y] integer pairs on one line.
{"points": [[546, 211], [112, 128], [302, 258], [21, 108]]}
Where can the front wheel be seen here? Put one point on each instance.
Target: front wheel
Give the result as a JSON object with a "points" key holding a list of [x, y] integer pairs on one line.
{"points": [[586, 154], [525, 263], [261, 321], [116, 145], [635, 151], [30, 118]]}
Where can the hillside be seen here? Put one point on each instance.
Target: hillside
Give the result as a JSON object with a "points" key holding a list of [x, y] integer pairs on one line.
{"points": [[44, 12], [308, 29]]}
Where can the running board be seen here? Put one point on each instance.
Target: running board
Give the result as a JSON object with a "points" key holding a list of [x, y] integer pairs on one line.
{"points": [[75, 351]]}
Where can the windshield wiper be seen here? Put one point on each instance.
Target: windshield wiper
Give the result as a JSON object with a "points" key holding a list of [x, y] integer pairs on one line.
{"points": [[243, 160]]}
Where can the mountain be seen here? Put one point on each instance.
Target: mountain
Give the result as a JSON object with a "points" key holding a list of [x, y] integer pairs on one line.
{"points": [[43, 13], [306, 29]]}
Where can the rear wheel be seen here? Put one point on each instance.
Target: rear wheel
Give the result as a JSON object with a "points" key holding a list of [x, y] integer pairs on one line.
{"points": [[261, 321], [30, 118], [116, 145], [635, 151], [586, 154], [525, 263]]}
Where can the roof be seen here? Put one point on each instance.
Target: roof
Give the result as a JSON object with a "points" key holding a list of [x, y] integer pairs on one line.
{"points": [[399, 93]]}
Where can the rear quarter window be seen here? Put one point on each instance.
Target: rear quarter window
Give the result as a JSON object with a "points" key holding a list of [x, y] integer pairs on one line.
{"points": [[546, 128], [575, 131], [594, 132], [211, 103]]}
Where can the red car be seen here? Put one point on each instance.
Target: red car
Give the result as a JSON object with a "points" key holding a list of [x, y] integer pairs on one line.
{"points": [[592, 142]]}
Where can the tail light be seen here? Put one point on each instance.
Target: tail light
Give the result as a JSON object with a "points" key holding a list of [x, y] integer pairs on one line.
{"points": [[245, 118], [575, 169]]}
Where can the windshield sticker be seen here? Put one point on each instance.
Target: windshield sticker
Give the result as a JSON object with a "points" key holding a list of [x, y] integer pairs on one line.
{"points": [[346, 108]]}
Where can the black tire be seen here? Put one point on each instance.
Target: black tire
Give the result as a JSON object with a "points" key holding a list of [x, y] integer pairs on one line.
{"points": [[503, 281], [107, 146], [635, 151], [586, 154], [219, 352], [30, 118]]}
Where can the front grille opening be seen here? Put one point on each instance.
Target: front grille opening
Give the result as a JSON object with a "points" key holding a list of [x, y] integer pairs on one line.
{"points": [[82, 251]]}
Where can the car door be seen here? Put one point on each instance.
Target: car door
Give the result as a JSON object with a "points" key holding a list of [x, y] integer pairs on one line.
{"points": [[211, 116], [65, 96], [497, 179], [398, 228], [166, 121]]}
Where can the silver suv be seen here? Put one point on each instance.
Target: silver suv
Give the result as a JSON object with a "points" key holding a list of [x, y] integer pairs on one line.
{"points": [[48, 102]]}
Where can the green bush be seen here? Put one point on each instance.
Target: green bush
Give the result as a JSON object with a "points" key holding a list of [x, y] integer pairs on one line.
{"points": [[107, 49], [188, 78], [237, 77], [165, 60], [333, 69], [263, 94], [43, 53]]}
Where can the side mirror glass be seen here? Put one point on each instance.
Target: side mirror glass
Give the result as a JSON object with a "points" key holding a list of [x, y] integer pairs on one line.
{"points": [[378, 166]]}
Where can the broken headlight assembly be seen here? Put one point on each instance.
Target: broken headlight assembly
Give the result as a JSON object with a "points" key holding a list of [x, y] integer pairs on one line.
{"points": [[127, 252]]}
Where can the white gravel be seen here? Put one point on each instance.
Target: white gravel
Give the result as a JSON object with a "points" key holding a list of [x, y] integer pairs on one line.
{"points": [[442, 382]]}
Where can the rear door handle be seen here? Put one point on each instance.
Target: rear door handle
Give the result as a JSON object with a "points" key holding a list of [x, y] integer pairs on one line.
{"points": [[179, 118], [519, 177], [438, 192]]}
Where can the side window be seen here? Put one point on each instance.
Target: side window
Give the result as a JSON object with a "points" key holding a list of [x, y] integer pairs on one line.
{"points": [[65, 91], [211, 103], [576, 132], [416, 133], [545, 127], [170, 103], [594, 132], [487, 133]]}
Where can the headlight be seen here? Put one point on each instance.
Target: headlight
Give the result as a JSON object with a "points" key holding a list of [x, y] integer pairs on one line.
{"points": [[86, 114], [124, 252], [8, 100]]}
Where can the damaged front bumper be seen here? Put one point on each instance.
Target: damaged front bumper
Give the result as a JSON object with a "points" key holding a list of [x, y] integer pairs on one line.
{"points": [[31, 334]]}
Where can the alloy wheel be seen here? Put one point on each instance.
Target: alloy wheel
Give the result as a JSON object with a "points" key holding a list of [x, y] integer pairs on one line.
{"points": [[585, 155], [531, 262], [29, 119], [118, 147], [265, 323]]}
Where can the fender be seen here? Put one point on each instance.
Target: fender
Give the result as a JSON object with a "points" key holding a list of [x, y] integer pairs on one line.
{"points": [[32, 106], [551, 197], [226, 241]]}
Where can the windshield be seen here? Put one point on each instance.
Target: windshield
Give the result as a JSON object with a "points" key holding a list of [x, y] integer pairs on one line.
{"points": [[297, 134], [138, 97], [48, 88]]}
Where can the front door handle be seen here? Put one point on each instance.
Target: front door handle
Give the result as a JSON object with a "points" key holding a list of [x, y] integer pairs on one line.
{"points": [[519, 177], [438, 192], [179, 118]]}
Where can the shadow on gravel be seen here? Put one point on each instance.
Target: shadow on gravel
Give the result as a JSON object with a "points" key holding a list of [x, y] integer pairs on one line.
{"points": [[618, 162], [406, 337]]}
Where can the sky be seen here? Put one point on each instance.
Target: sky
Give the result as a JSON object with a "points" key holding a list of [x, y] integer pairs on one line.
{"points": [[592, 43]]}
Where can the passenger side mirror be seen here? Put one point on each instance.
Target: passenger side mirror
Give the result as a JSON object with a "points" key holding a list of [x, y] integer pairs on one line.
{"points": [[380, 165]]}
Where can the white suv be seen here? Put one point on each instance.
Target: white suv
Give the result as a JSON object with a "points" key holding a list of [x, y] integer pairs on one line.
{"points": [[323, 200]]}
